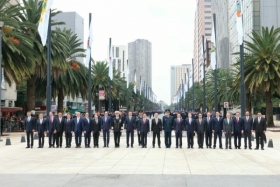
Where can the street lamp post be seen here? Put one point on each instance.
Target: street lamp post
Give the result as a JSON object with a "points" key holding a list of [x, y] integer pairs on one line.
{"points": [[225, 79], [1, 26]]}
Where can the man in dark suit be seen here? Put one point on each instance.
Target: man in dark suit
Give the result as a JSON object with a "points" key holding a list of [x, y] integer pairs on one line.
{"points": [[217, 123], [130, 126], [208, 130], [238, 130], [156, 129], [87, 129], [58, 130], [139, 119], [144, 129], [41, 129], [78, 128], [117, 127], [228, 129], [68, 130], [259, 128], [190, 128], [96, 128], [105, 127], [200, 130], [248, 128], [29, 128], [51, 122], [167, 124], [178, 125]]}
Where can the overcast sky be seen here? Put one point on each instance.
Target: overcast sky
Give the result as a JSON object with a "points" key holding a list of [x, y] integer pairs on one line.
{"points": [[167, 24]]}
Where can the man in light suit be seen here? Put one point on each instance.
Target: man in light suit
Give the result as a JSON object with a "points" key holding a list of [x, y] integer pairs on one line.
{"points": [[238, 130], [178, 129], [78, 127], [41, 130], [259, 128], [129, 126], [228, 129], [156, 129], [248, 129], [29, 128], [144, 129], [200, 130], [106, 127], [87, 129]]}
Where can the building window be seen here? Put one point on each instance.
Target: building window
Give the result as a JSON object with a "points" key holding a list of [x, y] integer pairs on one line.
{"points": [[208, 29], [119, 65], [117, 52], [207, 23], [113, 51], [10, 103], [207, 17], [207, 0], [207, 12], [208, 34], [207, 6]]}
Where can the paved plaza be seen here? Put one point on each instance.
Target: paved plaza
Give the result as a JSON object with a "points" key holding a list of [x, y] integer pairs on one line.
{"points": [[137, 166]]}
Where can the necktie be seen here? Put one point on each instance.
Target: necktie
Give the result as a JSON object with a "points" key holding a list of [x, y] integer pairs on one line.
{"points": [[190, 121], [259, 120], [207, 120], [51, 119], [228, 121], [96, 121], [59, 120], [237, 120], [67, 120], [247, 118], [143, 121], [87, 120], [200, 121], [218, 119], [105, 119], [178, 121]]}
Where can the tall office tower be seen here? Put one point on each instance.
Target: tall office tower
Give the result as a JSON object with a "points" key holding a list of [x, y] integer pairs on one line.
{"points": [[177, 74], [119, 59], [74, 22], [203, 26], [140, 59]]}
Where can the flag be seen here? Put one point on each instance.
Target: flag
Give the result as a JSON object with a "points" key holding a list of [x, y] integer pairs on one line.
{"points": [[239, 24], [44, 20], [89, 43], [127, 76], [135, 83], [213, 49], [111, 63], [140, 85]]}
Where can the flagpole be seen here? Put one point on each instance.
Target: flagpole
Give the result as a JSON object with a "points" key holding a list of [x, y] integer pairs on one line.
{"points": [[182, 91], [215, 87], [188, 91], [242, 82], [110, 81], [203, 65], [49, 88], [193, 83], [89, 76]]}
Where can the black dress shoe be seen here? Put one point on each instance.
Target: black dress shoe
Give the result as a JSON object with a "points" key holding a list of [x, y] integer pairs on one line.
{"points": [[153, 146], [145, 146], [238, 147], [66, 147], [226, 148], [27, 147], [107, 146], [245, 147], [221, 147], [235, 147], [39, 147], [31, 147], [250, 148], [256, 148], [180, 147], [98, 146], [127, 146], [142, 147], [188, 147], [104, 146], [132, 146], [229, 147], [176, 147], [262, 148], [210, 147], [192, 147], [159, 146], [201, 147]]}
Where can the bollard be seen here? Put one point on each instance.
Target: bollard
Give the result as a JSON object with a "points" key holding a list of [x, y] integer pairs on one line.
{"points": [[252, 137], [8, 141], [22, 139], [35, 137], [270, 143]]}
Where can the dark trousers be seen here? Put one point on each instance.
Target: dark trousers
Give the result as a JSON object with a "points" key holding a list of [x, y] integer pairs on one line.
{"points": [[29, 136], [139, 138], [41, 137], [259, 135], [131, 134], [218, 134], [68, 137], [156, 134], [228, 139], [58, 139], [178, 138], [237, 135], [95, 138], [106, 137], [78, 138], [247, 135], [208, 137], [144, 138], [117, 136], [87, 138], [51, 138], [190, 138], [167, 138], [200, 139]]}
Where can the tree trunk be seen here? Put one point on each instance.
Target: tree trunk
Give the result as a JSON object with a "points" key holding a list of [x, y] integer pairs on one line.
{"points": [[60, 98], [30, 100], [248, 105], [269, 109]]}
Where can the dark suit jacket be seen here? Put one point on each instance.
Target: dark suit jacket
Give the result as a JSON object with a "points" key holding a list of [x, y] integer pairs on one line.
{"points": [[106, 125], [41, 127], [178, 127], [69, 126], [130, 125], [78, 127], [29, 125], [217, 125], [96, 127], [238, 127], [156, 127], [144, 126], [248, 125], [200, 127], [50, 125], [87, 124], [228, 127], [190, 127], [59, 126], [208, 125], [259, 127]]}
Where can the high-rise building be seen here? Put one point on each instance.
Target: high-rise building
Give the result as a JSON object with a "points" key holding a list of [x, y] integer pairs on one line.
{"points": [[203, 26], [140, 59], [177, 75], [74, 22], [119, 59]]}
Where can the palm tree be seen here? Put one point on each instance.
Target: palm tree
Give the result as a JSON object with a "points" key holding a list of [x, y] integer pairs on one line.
{"points": [[18, 58], [261, 66]]}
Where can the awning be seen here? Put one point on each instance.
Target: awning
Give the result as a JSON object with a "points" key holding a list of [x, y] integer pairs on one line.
{"points": [[11, 109]]}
